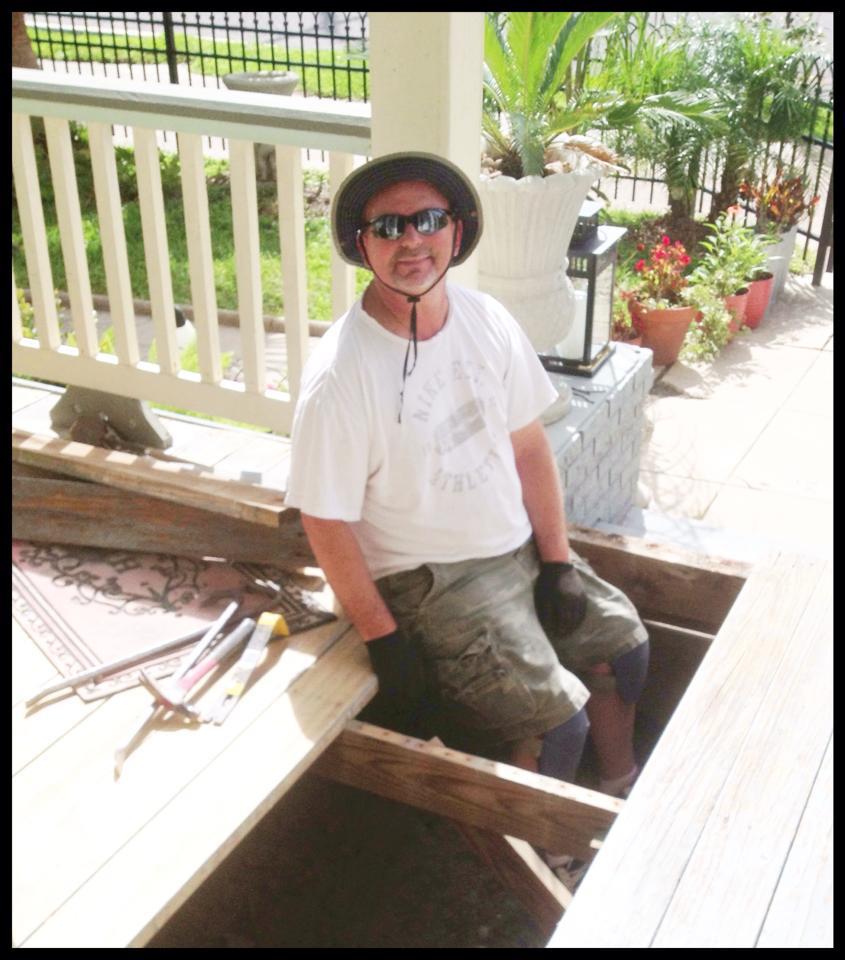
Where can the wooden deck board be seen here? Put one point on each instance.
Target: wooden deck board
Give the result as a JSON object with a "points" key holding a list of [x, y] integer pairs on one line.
{"points": [[165, 859], [801, 911], [695, 856], [93, 822]]}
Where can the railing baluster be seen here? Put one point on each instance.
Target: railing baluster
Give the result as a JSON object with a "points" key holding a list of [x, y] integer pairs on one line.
{"points": [[247, 262], [343, 276], [28, 193], [200, 263], [17, 324], [156, 250], [292, 242], [69, 215], [115, 258]]}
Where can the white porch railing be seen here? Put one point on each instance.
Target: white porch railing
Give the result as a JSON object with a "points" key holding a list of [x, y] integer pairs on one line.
{"points": [[342, 129]]}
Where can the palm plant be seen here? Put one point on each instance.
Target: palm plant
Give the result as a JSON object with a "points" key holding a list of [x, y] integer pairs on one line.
{"points": [[530, 57], [767, 90], [679, 117], [542, 85]]}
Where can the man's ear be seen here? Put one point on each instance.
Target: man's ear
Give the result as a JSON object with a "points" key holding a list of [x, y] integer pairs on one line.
{"points": [[359, 243], [459, 232]]}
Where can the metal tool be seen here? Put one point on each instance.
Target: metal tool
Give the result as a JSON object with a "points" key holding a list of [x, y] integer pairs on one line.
{"points": [[105, 669], [172, 695], [269, 625], [205, 642]]}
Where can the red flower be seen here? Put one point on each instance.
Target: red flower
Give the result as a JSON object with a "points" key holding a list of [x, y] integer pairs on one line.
{"points": [[639, 265], [665, 240]]}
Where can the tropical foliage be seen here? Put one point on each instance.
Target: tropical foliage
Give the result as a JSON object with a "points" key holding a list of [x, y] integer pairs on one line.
{"points": [[542, 87]]}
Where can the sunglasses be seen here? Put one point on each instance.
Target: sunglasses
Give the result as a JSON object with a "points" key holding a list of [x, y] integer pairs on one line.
{"points": [[391, 226]]}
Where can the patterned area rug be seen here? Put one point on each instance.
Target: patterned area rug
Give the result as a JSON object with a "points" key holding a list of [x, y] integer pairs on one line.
{"points": [[84, 606]]}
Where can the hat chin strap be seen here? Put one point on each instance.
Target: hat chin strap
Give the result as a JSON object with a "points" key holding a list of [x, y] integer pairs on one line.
{"points": [[413, 299]]}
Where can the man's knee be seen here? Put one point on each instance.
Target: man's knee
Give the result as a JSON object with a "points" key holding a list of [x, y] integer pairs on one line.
{"points": [[562, 747], [626, 674]]}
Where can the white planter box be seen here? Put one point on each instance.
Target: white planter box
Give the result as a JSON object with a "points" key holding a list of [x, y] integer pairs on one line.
{"points": [[777, 263]]}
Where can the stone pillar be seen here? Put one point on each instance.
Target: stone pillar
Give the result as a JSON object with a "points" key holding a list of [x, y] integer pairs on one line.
{"points": [[425, 90]]}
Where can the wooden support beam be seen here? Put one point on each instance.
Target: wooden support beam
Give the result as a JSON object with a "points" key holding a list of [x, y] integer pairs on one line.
{"points": [[665, 583], [498, 797], [186, 483], [83, 513], [521, 869], [675, 655]]}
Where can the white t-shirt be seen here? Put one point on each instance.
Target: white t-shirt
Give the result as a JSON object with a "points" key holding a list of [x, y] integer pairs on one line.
{"points": [[442, 485]]}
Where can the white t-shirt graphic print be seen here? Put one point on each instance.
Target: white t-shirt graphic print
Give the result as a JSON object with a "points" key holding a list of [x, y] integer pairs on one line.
{"points": [[441, 486]]}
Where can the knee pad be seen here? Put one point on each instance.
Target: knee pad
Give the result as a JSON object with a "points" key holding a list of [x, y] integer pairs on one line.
{"points": [[630, 671], [562, 747]]}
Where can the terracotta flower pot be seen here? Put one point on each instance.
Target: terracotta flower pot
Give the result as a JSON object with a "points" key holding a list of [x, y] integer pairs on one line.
{"points": [[736, 304], [759, 295], [664, 329]]}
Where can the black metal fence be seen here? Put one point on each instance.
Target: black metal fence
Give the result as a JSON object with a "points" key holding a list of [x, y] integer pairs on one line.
{"points": [[328, 51]]}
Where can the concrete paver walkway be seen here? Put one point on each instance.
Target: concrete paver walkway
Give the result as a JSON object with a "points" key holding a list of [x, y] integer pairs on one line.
{"points": [[738, 453]]}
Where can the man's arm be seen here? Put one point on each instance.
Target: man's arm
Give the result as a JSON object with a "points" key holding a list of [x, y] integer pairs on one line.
{"points": [[339, 555], [542, 493]]}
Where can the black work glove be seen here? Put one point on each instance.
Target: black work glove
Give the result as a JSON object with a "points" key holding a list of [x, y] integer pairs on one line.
{"points": [[401, 679], [559, 598]]}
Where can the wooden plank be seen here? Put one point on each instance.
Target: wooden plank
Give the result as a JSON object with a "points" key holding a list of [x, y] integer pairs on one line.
{"points": [[203, 812], [292, 244], [248, 263], [26, 393], [801, 912], [665, 583], [632, 881], [727, 884], [156, 250], [522, 871], [675, 655], [115, 257], [494, 796], [200, 262], [28, 194], [36, 730], [69, 215], [169, 480], [94, 515]]}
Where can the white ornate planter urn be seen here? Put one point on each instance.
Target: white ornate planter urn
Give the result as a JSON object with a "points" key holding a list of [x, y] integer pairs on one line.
{"points": [[528, 226]]}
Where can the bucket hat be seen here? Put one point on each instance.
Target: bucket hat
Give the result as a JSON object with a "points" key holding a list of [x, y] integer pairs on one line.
{"points": [[363, 183]]}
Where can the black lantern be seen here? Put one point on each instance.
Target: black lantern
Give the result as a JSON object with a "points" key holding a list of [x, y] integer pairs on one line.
{"points": [[592, 269]]}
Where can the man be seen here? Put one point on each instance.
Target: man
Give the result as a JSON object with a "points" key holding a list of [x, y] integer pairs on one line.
{"points": [[433, 504]]}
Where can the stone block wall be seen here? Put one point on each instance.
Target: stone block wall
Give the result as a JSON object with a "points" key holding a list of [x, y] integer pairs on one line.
{"points": [[597, 444]]}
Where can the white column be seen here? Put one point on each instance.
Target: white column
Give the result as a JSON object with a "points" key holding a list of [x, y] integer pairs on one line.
{"points": [[425, 90]]}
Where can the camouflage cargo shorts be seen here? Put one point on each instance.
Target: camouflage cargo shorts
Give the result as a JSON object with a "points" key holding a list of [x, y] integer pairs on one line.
{"points": [[497, 675]]}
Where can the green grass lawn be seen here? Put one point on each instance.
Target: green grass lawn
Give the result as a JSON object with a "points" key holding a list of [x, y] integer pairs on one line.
{"points": [[318, 70]]}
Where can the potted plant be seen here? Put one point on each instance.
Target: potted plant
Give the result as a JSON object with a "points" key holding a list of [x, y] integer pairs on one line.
{"points": [[657, 300], [535, 177], [780, 203], [732, 255], [710, 330], [625, 328]]}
